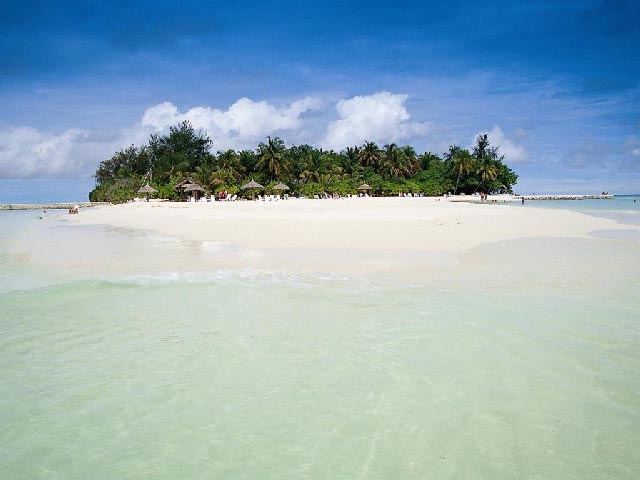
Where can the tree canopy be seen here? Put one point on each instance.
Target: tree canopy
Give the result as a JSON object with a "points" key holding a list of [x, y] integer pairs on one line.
{"points": [[185, 152]]}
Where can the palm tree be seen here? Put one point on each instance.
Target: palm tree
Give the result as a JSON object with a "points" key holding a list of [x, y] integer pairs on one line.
{"points": [[271, 157], [349, 159], [394, 164], [411, 157], [172, 165], [248, 160], [229, 163], [369, 155], [463, 163], [481, 148], [314, 165], [203, 175], [487, 170]]}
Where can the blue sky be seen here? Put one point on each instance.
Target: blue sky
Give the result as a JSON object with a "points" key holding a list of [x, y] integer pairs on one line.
{"points": [[555, 83]]}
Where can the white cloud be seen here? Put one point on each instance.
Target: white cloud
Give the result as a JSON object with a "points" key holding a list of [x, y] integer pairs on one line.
{"points": [[242, 125], [381, 118], [26, 152], [513, 153]]}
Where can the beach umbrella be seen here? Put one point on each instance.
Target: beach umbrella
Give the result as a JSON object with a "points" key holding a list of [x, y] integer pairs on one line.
{"points": [[147, 189], [364, 186], [252, 184], [280, 186]]}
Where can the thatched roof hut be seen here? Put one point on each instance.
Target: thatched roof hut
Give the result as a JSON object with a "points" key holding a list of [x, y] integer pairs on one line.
{"points": [[193, 187], [179, 187]]}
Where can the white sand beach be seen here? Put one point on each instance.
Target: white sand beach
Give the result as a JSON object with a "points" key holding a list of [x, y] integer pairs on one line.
{"points": [[383, 224], [493, 244]]}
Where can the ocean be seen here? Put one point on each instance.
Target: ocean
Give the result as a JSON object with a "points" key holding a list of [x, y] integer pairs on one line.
{"points": [[128, 355]]}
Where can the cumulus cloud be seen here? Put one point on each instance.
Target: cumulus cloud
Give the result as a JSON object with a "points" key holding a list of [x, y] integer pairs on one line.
{"points": [[242, 125], [513, 153], [381, 117], [26, 152]]}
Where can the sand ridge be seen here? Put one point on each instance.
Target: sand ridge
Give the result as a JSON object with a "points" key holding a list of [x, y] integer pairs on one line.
{"points": [[372, 224]]}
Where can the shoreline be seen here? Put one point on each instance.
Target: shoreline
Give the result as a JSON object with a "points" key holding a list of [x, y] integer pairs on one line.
{"points": [[452, 198], [388, 224], [435, 244]]}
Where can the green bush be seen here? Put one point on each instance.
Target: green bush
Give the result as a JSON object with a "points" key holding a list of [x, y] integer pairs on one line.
{"points": [[310, 189], [120, 191]]}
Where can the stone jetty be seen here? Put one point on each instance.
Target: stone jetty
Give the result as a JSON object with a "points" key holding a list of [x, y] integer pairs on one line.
{"points": [[504, 198], [49, 206], [566, 197]]}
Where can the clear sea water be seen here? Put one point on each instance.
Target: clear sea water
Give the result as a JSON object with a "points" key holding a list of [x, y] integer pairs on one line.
{"points": [[125, 355], [623, 208]]}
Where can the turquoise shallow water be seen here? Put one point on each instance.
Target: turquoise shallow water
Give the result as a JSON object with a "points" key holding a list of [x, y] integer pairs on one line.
{"points": [[623, 208], [149, 363]]}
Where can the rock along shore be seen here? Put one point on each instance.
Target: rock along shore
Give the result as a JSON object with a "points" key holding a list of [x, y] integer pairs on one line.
{"points": [[566, 197], [49, 206]]}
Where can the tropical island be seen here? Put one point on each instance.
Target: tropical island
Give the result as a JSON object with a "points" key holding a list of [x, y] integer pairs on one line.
{"points": [[184, 152]]}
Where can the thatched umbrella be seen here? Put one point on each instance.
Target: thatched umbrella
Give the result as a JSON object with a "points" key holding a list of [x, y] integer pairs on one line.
{"points": [[364, 188], [280, 186], [251, 185], [147, 189]]}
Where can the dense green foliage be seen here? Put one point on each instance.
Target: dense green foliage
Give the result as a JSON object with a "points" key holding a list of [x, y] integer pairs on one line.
{"points": [[390, 170]]}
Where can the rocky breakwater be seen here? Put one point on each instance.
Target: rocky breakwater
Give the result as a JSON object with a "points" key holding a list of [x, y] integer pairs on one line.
{"points": [[567, 197], [49, 206]]}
